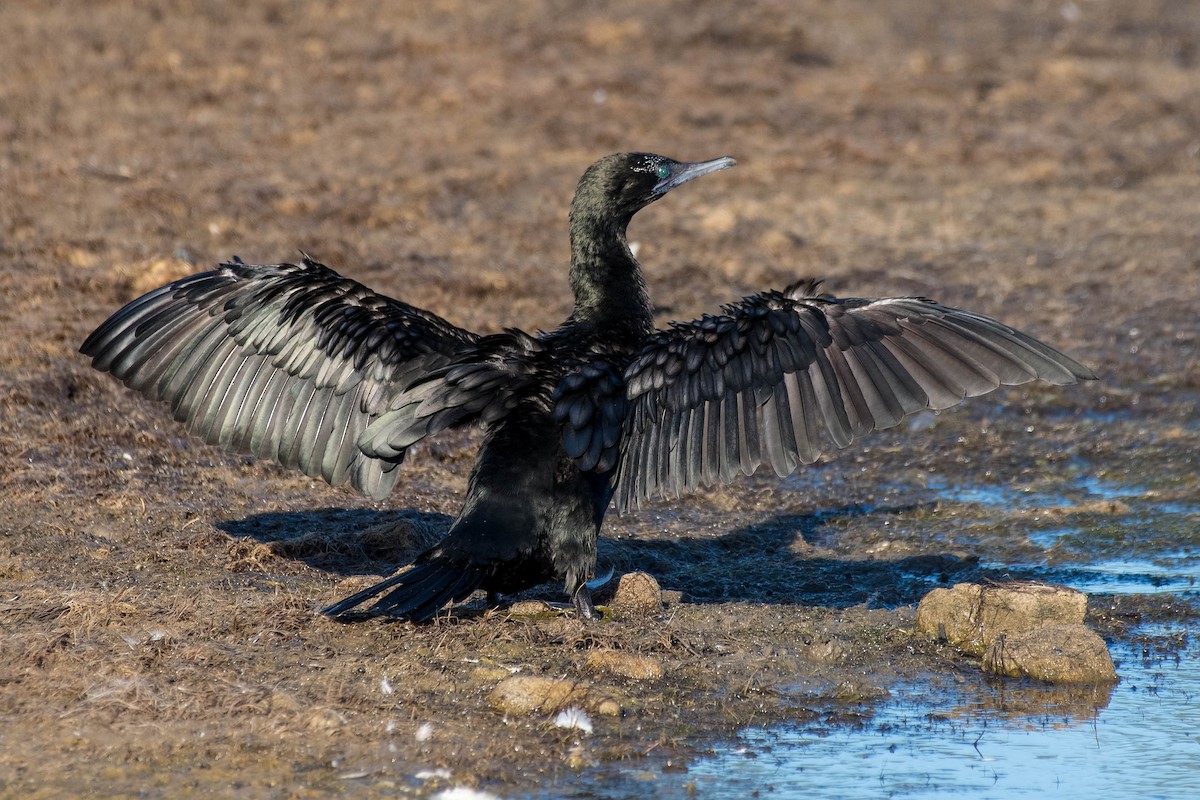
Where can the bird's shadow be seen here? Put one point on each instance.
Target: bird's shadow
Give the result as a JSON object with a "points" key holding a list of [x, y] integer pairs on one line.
{"points": [[767, 562], [761, 563], [344, 541]]}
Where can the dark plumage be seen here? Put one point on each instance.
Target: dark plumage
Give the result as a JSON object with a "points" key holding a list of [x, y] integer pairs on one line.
{"points": [[295, 363]]}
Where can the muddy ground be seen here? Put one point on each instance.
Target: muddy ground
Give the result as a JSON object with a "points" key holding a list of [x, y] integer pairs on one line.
{"points": [[1039, 162]]}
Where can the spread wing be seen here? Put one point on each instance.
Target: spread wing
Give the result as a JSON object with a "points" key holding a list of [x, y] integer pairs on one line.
{"points": [[289, 362], [782, 377], [482, 383]]}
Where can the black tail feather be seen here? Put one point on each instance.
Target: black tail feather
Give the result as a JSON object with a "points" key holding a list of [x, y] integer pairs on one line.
{"points": [[420, 591], [420, 604]]}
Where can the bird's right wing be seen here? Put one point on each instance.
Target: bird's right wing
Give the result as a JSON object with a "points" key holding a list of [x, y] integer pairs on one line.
{"points": [[780, 378], [289, 362]]}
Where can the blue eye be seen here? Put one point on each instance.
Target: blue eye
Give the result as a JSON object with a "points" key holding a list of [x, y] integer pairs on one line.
{"points": [[663, 172]]}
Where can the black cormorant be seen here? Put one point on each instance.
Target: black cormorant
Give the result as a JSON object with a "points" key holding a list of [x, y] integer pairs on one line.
{"points": [[296, 363]]}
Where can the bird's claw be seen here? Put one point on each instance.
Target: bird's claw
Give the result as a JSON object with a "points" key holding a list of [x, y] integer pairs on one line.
{"points": [[583, 603], [598, 583]]}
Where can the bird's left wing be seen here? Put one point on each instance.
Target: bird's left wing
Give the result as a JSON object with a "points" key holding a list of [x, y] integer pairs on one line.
{"points": [[782, 377]]}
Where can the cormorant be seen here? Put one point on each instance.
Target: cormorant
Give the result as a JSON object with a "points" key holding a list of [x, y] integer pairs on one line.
{"points": [[296, 363]]}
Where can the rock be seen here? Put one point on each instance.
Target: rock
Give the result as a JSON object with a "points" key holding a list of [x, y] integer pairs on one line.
{"points": [[527, 694], [973, 617], [324, 719], [1020, 628], [490, 673], [608, 707], [532, 608], [638, 594], [627, 665], [1070, 653]]}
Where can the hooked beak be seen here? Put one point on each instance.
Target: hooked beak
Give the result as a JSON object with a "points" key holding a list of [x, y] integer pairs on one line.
{"points": [[683, 173]]}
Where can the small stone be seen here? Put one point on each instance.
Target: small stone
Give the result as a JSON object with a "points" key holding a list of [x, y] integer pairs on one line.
{"points": [[325, 719], [490, 673], [608, 708], [638, 594], [532, 608], [973, 617], [627, 665], [527, 694], [1020, 629], [1070, 653]]}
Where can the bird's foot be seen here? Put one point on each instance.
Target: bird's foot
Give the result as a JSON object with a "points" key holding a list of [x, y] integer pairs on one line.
{"points": [[583, 603]]}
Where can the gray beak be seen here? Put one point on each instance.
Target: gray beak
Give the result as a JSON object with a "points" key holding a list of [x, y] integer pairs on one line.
{"points": [[682, 173]]}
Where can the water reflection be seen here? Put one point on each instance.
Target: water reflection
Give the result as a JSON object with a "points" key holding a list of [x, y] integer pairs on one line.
{"points": [[977, 737], [1132, 576], [1141, 739], [1143, 544]]}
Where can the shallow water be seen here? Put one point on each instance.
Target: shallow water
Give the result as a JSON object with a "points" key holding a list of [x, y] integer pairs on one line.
{"points": [[986, 737], [978, 737], [931, 741], [1144, 543], [1147, 741], [1176, 574]]}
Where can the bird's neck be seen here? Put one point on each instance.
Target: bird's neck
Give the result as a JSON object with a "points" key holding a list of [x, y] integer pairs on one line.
{"points": [[610, 291]]}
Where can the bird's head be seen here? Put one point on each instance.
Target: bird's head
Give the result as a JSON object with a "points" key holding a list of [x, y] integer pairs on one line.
{"points": [[620, 185]]}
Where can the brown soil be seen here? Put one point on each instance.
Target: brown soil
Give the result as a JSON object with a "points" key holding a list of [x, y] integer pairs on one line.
{"points": [[1039, 162]]}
